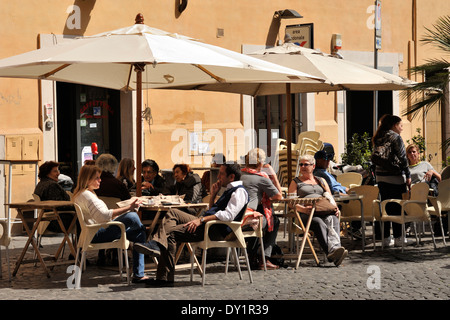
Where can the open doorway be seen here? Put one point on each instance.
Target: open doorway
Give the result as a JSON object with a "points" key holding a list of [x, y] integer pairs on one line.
{"points": [[360, 110], [85, 115]]}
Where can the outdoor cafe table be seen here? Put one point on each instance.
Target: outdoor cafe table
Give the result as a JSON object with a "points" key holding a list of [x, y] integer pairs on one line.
{"points": [[291, 202], [355, 197], [41, 206]]}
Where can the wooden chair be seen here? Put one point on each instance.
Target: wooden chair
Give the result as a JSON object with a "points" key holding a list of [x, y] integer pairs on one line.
{"points": [[47, 218], [350, 179], [85, 244], [412, 210], [234, 240], [351, 211]]}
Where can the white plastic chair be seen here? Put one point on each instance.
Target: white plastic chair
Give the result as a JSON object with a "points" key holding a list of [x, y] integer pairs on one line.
{"points": [[251, 233], [413, 210], [88, 232], [234, 240], [5, 240], [351, 211], [350, 179], [445, 173], [441, 203]]}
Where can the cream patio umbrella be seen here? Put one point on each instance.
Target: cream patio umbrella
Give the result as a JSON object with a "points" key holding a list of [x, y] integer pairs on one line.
{"points": [[116, 60], [339, 74]]}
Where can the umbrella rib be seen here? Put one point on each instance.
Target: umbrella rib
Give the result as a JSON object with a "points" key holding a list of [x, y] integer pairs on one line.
{"points": [[212, 75], [48, 74]]}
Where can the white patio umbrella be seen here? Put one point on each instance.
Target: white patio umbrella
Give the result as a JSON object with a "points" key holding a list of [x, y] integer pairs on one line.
{"points": [[339, 74], [117, 59]]}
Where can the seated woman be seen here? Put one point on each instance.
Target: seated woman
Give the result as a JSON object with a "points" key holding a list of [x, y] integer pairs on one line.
{"points": [[187, 183], [153, 183], [306, 185], [421, 171], [125, 173], [262, 186], [96, 211], [48, 188]]}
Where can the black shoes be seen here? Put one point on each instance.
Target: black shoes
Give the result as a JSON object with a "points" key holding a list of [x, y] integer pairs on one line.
{"points": [[150, 248], [159, 283]]}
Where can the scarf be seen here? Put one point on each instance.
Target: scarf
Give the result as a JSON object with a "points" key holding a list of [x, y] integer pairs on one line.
{"points": [[266, 203]]}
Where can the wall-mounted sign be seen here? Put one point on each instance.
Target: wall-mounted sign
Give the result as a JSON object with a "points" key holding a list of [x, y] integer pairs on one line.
{"points": [[302, 34]]}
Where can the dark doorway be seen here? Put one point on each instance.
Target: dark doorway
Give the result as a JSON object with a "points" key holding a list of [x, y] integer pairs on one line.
{"points": [[360, 110], [85, 115], [270, 120]]}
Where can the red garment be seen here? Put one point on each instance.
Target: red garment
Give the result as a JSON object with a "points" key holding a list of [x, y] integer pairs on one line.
{"points": [[266, 203]]}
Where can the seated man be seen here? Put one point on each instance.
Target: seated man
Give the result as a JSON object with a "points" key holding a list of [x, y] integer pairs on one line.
{"points": [[110, 186], [322, 164], [152, 182], [180, 226]]}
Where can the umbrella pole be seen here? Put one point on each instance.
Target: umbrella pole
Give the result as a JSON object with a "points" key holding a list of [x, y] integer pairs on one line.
{"points": [[139, 67], [289, 131]]}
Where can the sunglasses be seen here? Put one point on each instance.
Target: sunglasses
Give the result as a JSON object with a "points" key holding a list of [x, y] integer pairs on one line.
{"points": [[304, 164]]}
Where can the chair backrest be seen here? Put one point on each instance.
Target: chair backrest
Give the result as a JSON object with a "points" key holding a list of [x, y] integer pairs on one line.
{"points": [[444, 194], [445, 173], [353, 208], [419, 192], [310, 135], [349, 179], [111, 202], [5, 239]]}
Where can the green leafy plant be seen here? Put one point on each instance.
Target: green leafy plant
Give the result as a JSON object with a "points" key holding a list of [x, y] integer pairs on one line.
{"points": [[358, 150]]}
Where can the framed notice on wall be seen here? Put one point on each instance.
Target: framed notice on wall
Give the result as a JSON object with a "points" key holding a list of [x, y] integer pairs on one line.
{"points": [[302, 34]]}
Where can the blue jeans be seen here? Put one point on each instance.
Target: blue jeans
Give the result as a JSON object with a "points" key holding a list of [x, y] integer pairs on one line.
{"points": [[135, 232]]}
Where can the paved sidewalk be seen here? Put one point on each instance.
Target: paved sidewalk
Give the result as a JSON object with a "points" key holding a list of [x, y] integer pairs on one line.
{"points": [[420, 273]]}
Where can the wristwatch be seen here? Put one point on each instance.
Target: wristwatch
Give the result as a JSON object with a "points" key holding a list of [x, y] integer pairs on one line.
{"points": [[202, 219]]}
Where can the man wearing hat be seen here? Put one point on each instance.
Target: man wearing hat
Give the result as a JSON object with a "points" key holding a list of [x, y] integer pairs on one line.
{"points": [[322, 164]]}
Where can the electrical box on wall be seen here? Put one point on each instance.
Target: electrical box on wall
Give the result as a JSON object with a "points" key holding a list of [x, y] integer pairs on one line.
{"points": [[336, 41]]}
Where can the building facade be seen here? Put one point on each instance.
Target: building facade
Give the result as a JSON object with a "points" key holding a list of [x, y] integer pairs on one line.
{"points": [[60, 121]]}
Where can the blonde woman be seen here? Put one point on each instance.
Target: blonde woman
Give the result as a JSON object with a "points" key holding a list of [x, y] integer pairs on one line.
{"points": [[306, 185], [125, 173], [96, 211]]}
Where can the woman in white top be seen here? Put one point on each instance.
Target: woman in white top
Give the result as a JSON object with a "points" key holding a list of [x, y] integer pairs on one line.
{"points": [[96, 211]]}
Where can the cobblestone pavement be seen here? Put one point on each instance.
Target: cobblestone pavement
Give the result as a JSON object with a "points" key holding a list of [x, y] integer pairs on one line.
{"points": [[419, 273]]}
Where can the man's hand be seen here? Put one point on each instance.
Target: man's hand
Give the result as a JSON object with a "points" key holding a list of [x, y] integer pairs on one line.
{"points": [[147, 185], [191, 226], [215, 189]]}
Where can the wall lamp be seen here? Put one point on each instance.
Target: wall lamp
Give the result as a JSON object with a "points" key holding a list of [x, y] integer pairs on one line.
{"points": [[286, 14]]}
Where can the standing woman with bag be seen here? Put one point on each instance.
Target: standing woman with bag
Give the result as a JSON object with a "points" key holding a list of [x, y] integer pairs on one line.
{"points": [[325, 225], [392, 173]]}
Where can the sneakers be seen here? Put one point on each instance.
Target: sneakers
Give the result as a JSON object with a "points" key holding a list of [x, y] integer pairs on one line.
{"points": [[388, 242], [150, 248], [337, 256], [398, 242]]}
